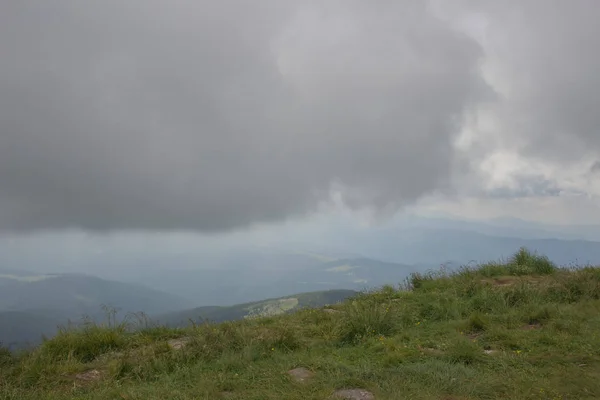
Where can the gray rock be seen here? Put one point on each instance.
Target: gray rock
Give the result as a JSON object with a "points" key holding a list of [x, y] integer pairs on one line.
{"points": [[178, 344]]}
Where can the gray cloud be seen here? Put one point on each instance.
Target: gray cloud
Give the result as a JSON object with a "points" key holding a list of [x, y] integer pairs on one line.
{"points": [[549, 53], [213, 115], [526, 185]]}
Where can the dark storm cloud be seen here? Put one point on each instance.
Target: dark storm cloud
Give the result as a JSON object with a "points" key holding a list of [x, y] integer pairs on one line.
{"points": [[213, 115]]}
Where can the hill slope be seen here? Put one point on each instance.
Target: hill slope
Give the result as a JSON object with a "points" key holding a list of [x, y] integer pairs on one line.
{"points": [[522, 330], [267, 307]]}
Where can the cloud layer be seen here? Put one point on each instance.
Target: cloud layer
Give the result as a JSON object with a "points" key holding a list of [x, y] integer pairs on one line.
{"points": [[215, 115]]}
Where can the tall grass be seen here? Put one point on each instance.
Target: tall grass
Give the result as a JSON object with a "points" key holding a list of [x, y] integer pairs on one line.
{"points": [[364, 318], [6, 357]]}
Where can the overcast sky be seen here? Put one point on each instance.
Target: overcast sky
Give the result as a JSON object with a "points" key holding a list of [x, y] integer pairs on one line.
{"points": [[213, 116]]}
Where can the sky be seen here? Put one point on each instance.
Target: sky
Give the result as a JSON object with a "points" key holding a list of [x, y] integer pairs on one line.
{"points": [[223, 116]]}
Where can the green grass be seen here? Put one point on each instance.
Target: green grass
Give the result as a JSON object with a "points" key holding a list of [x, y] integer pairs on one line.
{"points": [[525, 329]]}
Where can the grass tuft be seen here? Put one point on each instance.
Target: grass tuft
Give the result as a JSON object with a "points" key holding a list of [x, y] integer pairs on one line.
{"points": [[84, 345], [523, 262], [477, 322], [364, 318]]}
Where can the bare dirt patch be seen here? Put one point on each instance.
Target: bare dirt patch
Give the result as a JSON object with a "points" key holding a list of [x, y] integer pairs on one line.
{"points": [[531, 327], [503, 281], [301, 374]]}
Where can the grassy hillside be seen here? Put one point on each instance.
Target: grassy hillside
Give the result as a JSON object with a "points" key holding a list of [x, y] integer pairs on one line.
{"points": [[263, 308], [520, 330]]}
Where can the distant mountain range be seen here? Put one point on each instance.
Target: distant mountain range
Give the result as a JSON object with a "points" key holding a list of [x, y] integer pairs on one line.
{"points": [[78, 294], [437, 246], [34, 304], [272, 274]]}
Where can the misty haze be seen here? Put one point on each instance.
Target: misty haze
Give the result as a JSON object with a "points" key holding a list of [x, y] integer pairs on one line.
{"points": [[306, 184]]}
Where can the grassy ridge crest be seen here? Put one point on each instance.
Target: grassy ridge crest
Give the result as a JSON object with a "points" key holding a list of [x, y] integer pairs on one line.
{"points": [[521, 329]]}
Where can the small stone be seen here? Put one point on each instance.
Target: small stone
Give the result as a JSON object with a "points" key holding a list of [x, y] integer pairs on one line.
{"points": [[300, 374], [331, 311], [354, 394], [178, 344], [89, 376], [489, 352]]}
